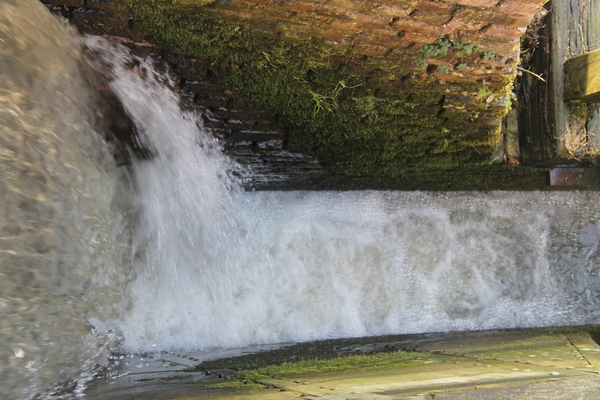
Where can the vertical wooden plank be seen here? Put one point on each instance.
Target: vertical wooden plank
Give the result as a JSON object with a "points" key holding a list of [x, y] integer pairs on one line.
{"points": [[575, 30], [593, 38], [560, 24]]}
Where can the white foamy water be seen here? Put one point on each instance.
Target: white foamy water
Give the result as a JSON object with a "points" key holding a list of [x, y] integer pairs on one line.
{"points": [[219, 268], [370, 263]]}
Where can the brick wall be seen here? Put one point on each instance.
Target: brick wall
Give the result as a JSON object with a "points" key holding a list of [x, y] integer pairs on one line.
{"points": [[393, 28]]}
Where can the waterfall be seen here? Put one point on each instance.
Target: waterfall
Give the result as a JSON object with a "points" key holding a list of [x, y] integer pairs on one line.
{"points": [[216, 267], [171, 253]]}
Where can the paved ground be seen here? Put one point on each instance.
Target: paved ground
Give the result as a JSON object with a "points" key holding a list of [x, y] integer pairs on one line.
{"points": [[525, 364]]}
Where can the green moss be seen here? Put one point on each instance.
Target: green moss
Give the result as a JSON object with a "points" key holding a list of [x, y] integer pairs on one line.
{"points": [[356, 115], [250, 379], [238, 383], [355, 362]]}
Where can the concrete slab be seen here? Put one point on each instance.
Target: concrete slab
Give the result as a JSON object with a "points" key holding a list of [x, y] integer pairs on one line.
{"points": [[557, 363]]}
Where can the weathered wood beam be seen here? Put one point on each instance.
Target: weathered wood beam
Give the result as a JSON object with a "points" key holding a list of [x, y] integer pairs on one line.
{"points": [[582, 78]]}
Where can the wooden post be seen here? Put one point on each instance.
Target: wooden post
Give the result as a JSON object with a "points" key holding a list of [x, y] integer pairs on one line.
{"points": [[582, 78]]}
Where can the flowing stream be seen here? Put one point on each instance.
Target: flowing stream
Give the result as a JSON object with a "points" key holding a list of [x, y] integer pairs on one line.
{"points": [[171, 253]]}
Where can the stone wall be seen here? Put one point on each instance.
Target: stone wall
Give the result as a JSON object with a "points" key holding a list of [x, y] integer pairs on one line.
{"points": [[408, 92]]}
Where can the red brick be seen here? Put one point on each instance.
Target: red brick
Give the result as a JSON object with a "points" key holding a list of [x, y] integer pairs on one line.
{"points": [[475, 3], [420, 37], [367, 18], [368, 49], [347, 27], [327, 33], [503, 32], [347, 5], [388, 33], [393, 11], [471, 18], [411, 25], [538, 2], [430, 18], [518, 7], [434, 7], [467, 25], [388, 43], [298, 6], [399, 49], [513, 20], [502, 47]]}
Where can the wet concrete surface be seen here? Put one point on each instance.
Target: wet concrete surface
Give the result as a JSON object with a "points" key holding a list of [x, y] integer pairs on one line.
{"points": [[558, 363]]}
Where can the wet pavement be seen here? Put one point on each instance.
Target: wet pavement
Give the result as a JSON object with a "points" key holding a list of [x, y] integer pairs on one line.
{"points": [[558, 363]]}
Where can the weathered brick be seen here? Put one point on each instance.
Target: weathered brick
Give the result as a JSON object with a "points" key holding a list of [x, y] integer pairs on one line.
{"points": [[513, 20], [420, 37], [312, 19], [434, 7], [394, 11], [369, 49], [299, 6], [430, 18], [474, 3], [388, 43], [346, 27], [519, 7], [502, 47], [471, 18], [538, 2], [332, 34], [467, 25], [381, 33], [400, 51], [367, 18], [500, 31], [411, 25], [347, 5]]}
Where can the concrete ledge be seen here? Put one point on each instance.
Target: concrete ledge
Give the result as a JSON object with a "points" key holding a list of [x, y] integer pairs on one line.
{"points": [[558, 363]]}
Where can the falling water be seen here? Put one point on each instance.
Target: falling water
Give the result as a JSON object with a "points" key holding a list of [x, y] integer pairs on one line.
{"points": [[208, 265], [219, 268]]}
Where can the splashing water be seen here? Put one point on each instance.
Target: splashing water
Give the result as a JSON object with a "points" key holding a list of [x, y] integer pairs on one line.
{"points": [[208, 265]]}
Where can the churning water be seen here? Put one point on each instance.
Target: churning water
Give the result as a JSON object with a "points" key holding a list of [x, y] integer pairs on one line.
{"points": [[179, 257]]}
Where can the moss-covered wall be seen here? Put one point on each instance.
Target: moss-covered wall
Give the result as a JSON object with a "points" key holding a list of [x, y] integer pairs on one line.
{"points": [[390, 93]]}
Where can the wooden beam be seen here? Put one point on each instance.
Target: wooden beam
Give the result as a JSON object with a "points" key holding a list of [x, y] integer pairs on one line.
{"points": [[582, 78]]}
